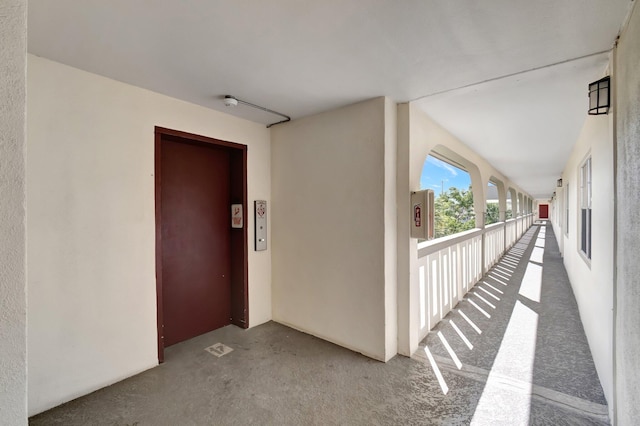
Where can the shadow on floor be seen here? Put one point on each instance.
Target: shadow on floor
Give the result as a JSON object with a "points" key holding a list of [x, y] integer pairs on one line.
{"points": [[518, 333]]}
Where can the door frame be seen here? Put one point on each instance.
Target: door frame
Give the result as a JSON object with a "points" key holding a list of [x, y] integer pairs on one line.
{"points": [[539, 208], [239, 249]]}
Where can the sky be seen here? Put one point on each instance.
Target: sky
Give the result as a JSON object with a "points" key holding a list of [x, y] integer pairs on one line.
{"points": [[437, 174]]}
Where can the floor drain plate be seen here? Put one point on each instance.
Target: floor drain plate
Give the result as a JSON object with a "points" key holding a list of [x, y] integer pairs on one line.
{"points": [[218, 349]]}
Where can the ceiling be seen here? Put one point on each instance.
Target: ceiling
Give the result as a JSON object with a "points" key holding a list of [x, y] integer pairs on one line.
{"points": [[507, 77]]}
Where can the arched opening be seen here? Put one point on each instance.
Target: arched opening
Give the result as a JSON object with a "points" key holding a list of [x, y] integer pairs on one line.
{"points": [[520, 208], [509, 211], [492, 214], [451, 183]]}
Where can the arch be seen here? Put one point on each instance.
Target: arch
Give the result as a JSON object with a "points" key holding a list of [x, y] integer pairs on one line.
{"points": [[502, 197], [455, 206], [519, 209], [512, 203], [477, 187]]}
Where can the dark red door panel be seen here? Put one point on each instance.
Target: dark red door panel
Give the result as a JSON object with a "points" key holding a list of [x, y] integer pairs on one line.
{"points": [[544, 211], [196, 259]]}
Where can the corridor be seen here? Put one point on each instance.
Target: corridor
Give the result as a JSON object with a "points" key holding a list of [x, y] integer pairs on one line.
{"points": [[518, 334], [512, 352]]}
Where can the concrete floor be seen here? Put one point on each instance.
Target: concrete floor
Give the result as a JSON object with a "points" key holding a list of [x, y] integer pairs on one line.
{"points": [[530, 364]]}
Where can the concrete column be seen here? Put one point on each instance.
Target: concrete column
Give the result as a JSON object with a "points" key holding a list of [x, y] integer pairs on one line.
{"points": [[13, 304], [407, 285], [626, 80], [520, 204], [514, 202], [502, 201], [479, 188]]}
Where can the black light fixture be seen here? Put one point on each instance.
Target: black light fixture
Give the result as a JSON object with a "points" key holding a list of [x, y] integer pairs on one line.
{"points": [[599, 96], [559, 183]]}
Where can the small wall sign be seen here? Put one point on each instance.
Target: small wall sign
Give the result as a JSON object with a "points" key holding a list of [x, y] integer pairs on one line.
{"points": [[417, 215], [236, 216]]}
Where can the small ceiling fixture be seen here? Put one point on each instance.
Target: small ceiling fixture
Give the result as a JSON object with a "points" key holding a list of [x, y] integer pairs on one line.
{"points": [[232, 101], [599, 96], [559, 183]]}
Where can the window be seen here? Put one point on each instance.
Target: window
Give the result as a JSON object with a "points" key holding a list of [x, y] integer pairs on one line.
{"points": [[451, 184], [566, 209], [585, 208]]}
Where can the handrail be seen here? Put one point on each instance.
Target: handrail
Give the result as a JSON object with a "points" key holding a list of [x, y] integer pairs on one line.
{"points": [[429, 247], [426, 248], [448, 267], [493, 225]]}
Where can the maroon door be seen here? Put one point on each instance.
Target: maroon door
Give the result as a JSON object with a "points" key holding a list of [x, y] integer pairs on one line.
{"points": [[544, 211], [196, 259]]}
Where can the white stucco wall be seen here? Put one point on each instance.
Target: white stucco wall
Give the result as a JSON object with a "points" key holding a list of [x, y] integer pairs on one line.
{"points": [[390, 228], [13, 309], [91, 225], [592, 282], [627, 82], [330, 224], [418, 135]]}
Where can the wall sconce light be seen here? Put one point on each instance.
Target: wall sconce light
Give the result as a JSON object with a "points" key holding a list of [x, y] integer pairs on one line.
{"points": [[559, 183], [599, 96]]}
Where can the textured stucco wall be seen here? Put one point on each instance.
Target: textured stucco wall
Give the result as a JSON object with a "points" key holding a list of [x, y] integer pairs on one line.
{"points": [[328, 174], [390, 228], [592, 281], [13, 380], [628, 220]]}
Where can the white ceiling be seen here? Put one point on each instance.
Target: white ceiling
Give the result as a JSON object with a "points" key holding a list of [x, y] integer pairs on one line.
{"points": [[301, 57], [526, 124]]}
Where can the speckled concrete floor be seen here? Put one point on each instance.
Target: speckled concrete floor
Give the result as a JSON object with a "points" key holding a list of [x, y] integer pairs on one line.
{"points": [[532, 354], [278, 376]]}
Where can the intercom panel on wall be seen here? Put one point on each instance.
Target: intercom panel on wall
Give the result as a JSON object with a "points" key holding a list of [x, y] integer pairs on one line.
{"points": [[261, 224], [422, 214]]}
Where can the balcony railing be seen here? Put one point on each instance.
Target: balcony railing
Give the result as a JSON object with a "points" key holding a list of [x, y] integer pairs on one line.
{"points": [[449, 267], [494, 244]]}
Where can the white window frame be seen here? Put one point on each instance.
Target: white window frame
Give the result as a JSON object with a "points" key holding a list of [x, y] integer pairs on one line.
{"points": [[585, 240], [566, 210]]}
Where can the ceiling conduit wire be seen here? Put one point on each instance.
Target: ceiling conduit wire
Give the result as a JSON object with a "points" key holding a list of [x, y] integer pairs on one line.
{"points": [[501, 77], [228, 98]]}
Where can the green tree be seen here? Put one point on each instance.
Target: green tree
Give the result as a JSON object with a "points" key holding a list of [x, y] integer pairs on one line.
{"points": [[454, 212], [493, 213]]}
